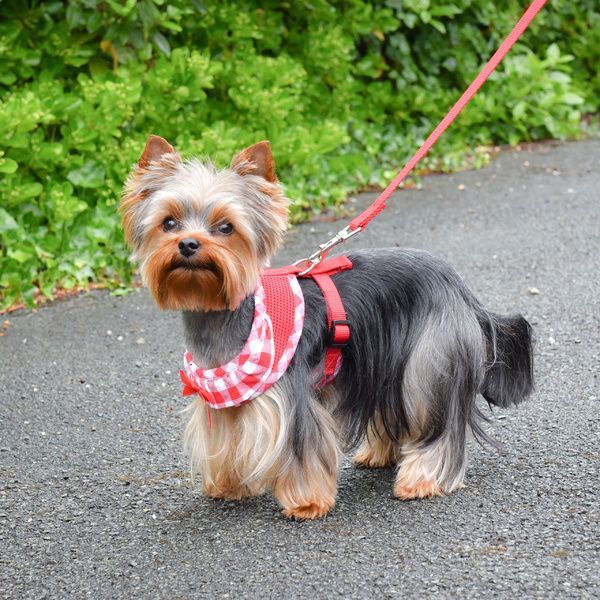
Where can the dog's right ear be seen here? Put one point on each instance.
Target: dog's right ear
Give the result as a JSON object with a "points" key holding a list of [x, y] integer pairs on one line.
{"points": [[156, 147]]}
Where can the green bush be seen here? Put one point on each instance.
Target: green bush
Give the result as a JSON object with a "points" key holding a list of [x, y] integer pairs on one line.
{"points": [[344, 89]]}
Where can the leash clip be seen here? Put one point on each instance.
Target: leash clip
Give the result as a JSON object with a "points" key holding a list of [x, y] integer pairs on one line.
{"points": [[316, 257]]}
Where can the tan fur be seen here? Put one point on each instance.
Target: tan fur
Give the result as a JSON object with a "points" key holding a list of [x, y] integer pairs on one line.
{"points": [[377, 449], [211, 449], [243, 452], [279, 214], [149, 169], [222, 284], [154, 150], [414, 491], [232, 262], [306, 490], [256, 160], [423, 470]]}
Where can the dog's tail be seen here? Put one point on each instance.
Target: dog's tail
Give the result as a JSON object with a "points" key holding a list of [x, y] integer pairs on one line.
{"points": [[509, 377]]}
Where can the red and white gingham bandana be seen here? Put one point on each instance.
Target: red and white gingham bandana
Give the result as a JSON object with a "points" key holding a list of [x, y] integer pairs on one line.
{"points": [[262, 361]]}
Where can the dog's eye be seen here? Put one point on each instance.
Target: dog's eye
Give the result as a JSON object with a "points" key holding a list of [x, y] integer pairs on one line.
{"points": [[169, 224], [225, 228]]}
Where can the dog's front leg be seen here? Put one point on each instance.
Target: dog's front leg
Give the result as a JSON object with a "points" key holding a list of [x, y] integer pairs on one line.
{"points": [[213, 446], [307, 489], [306, 483]]}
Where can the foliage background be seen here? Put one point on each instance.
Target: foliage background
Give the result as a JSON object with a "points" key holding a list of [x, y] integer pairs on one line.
{"points": [[344, 89]]}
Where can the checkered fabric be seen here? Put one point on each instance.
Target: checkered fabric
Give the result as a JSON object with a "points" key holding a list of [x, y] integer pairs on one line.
{"points": [[266, 355]]}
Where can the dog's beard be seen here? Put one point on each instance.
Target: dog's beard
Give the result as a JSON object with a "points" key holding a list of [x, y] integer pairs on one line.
{"points": [[216, 279]]}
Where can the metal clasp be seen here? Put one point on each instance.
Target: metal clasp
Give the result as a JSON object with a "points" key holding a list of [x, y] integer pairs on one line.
{"points": [[316, 257]]}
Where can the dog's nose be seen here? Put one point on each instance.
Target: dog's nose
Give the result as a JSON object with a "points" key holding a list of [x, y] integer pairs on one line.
{"points": [[188, 247]]}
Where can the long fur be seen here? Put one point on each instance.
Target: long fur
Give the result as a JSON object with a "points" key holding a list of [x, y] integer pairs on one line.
{"points": [[509, 378], [434, 349], [421, 347]]}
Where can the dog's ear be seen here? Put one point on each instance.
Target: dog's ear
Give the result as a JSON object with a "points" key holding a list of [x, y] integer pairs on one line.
{"points": [[256, 160], [155, 148], [163, 160]]}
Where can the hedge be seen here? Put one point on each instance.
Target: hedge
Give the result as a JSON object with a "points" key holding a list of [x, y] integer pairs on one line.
{"points": [[344, 90]]}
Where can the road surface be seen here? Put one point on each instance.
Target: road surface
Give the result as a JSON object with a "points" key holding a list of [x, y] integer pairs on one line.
{"points": [[95, 497]]}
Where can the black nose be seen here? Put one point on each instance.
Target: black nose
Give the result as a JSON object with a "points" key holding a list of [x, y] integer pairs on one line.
{"points": [[188, 247]]}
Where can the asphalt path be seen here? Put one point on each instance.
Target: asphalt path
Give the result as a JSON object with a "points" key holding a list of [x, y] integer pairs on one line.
{"points": [[95, 497]]}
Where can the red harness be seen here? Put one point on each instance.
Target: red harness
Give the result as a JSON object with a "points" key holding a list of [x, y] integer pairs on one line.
{"points": [[337, 322], [274, 336]]}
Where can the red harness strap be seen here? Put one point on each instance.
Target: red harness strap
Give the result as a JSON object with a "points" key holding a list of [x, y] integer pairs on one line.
{"points": [[337, 322], [339, 328]]}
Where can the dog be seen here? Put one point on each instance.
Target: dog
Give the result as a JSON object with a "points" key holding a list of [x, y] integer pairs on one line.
{"points": [[421, 346]]}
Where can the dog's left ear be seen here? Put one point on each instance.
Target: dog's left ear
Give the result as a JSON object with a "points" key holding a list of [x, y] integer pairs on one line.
{"points": [[256, 160]]}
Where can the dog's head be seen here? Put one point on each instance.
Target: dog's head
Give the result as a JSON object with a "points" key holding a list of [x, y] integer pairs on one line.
{"points": [[202, 235]]}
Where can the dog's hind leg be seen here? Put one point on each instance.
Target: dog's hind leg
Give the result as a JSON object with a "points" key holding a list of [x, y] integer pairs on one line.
{"points": [[377, 448], [440, 385], [435, 466], [428, 470]]}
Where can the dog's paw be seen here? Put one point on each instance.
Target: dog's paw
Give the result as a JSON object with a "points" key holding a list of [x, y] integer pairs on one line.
{"points": [[229, 493], [373, 459], [414, 491], [314, 510]]}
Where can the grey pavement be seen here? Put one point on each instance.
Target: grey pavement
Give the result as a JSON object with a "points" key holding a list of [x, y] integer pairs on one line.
{"points": [[95, 497]]}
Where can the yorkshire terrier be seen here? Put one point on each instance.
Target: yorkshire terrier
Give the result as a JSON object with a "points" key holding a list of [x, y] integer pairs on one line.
{"points": [[420, 351]]}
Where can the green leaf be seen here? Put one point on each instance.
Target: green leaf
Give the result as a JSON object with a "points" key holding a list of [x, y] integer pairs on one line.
{"points": [[7, 78], [29, 190], [122, 10], [439, 25], [19, 255], [553, 52], [8, 165], [519, 111], [6, 221], [161, 41], [90, 175], [572, 98]]}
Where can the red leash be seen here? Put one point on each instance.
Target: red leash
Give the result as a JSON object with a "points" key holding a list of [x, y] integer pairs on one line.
{"points": [[362, 220]]}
